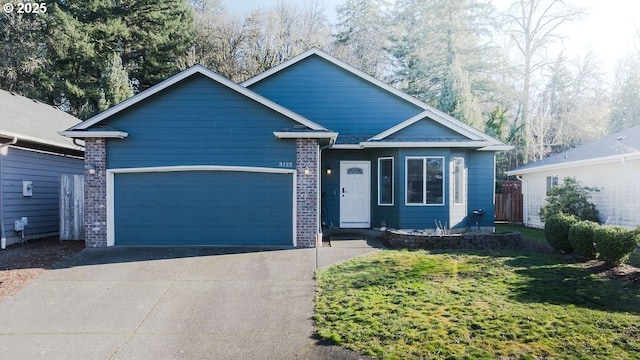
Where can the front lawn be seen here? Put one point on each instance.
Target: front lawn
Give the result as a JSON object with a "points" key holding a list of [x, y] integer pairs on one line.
{"points": [[417, 305]]}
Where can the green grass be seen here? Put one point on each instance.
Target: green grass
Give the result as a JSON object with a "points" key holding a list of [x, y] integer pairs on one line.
{"points": [[526, 232], [634, 258], [417, 305]]}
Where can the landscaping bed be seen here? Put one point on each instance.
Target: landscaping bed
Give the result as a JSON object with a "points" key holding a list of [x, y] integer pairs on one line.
{"points": [[21, 264]]}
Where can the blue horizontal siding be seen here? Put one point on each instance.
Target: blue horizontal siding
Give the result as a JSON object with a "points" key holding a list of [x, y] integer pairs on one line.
{"points": [[426, 129], [199, 122], [335, 98], [203, 208], [43, 208], [481, 186]]}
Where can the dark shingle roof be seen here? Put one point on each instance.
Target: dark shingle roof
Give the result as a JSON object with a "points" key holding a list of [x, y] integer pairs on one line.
{"points": [[623, 142]]}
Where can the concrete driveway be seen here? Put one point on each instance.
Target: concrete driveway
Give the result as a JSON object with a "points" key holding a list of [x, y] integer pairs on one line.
{"points": [[172, 303]]}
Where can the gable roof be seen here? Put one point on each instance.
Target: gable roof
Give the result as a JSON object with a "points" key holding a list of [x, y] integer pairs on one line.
{"points": [[82, 129], [615, 147], [429, 111], [34, 123]]}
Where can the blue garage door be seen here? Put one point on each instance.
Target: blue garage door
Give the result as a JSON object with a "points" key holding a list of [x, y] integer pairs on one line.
{"points": [[203, 208]]}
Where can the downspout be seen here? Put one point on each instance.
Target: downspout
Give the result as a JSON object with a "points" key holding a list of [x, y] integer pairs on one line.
{"points": [[319, 196], [3, 238], [525, 204]]}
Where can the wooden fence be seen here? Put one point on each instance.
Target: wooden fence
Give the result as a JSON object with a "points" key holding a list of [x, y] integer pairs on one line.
{"points": [[71, 207], [509, 203]]}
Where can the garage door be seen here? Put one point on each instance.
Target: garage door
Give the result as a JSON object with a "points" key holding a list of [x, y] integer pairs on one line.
{"points": [[203, 208]]}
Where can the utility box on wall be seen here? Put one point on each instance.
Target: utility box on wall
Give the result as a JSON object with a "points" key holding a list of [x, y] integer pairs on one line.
{"points": [[27, 188]]}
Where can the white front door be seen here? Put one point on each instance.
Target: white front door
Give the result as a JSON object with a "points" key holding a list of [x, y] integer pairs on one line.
{"points": [[355, 194]]}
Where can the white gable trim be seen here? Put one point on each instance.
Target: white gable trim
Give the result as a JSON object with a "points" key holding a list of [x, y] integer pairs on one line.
{"points": [[339, 63], [432, 112], [423, 144], [196, 69], [448, 122]]}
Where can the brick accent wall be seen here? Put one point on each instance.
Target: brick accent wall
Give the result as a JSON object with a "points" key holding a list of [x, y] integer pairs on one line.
{"points": [[95, 193], [307, 192]]}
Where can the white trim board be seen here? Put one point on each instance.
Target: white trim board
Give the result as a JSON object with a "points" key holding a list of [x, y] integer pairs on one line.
{"points": [[110, 198], [433, 113], [196, 69]]}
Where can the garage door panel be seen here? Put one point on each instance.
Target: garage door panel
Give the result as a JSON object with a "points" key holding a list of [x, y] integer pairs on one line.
{"points": [[203, 208]]}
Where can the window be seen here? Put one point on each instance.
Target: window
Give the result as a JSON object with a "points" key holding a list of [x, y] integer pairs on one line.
{"points": [[424, 181], [385, 181], [552, 181], [458, 181]]}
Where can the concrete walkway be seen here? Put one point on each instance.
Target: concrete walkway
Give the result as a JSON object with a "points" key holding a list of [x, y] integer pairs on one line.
{"points": [[172, 303]]}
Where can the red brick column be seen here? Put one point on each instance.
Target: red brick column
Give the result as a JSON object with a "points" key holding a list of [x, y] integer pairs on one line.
{"points": [[95, 193], [307, 192]]}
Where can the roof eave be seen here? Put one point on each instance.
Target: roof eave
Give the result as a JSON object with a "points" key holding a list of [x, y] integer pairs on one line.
{"points": [[570, 164], [422, 144], [305, 135], [77, 134]]}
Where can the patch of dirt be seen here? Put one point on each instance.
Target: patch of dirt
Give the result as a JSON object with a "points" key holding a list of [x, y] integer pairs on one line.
{"points": [[622, 272], [21, 264]]}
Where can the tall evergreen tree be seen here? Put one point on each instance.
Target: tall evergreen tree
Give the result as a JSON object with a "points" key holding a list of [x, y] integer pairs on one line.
{"points": [[148, 37], [22, 56], [362, 35], [442, 51]]}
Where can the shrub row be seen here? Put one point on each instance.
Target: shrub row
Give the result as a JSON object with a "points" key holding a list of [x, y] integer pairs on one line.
{"points": [[611, 244]]}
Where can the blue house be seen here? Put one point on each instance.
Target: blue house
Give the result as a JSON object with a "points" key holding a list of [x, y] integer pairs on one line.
{"points": [[311, 143]]}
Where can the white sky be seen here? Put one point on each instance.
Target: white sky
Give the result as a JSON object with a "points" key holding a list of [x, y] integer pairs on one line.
{"points": [[609, 28]]}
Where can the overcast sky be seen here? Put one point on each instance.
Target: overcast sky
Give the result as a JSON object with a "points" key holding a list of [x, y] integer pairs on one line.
{"points": [[610, 28]]}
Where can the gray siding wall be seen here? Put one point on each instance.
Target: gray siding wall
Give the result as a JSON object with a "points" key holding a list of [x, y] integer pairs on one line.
{"points": [[42, 209]]}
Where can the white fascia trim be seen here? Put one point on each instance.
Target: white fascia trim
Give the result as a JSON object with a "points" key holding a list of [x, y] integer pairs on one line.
{"points": [[447, 122], [36, 140], [185, 74], [423, 144], [343, 65], [438, 115], [346, 147], [305, 135], [111, 198], [595, 161], [94, 134], [501, 147]]}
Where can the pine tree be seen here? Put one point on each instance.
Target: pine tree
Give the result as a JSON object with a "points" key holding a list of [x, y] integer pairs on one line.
{"points": [[147, 36]]}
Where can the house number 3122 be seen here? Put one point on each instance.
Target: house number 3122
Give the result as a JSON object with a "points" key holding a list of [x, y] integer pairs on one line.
{"points": [[285, 164]]}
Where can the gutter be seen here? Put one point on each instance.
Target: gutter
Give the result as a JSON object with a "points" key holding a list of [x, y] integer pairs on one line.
{"points": [[525, 202], [3, 238]]}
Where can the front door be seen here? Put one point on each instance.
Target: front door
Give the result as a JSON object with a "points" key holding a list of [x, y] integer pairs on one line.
{"points": [[355, 194]]}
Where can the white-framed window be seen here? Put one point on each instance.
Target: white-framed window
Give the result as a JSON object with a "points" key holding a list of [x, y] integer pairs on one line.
{"points": [[424, 180], [385, 181], [552, 181], [459, 181]]}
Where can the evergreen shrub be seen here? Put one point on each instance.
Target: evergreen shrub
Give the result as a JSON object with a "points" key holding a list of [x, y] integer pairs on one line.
{"points": [[556, 231], [581, 238], [615, 243]]}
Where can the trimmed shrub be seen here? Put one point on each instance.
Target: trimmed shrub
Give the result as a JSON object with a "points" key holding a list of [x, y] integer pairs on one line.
{"points": [[556, 231], [570, 198], [581, 238], [615, 243]]}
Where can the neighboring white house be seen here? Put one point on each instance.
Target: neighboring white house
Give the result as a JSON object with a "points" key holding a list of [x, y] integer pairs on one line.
{"points": [[612, 164]]}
